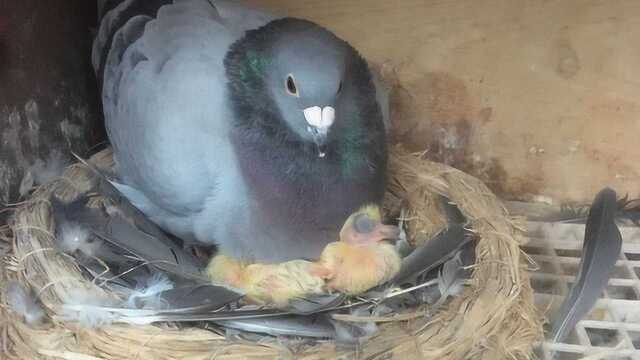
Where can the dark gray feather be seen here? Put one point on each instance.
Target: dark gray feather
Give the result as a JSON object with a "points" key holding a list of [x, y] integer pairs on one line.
{"points": [[601, 248], [432, 253], [134, 254], [137, 248], [198, 316], [307, 326], [130, 230], [198, 298], [439, 249], [315, 303]]}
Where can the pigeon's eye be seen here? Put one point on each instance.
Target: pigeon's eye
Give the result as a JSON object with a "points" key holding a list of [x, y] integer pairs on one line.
{"points": [[290, 85]]}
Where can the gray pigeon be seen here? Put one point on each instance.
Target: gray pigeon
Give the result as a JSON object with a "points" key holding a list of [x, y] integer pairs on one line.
{"points": [[234, 127]]}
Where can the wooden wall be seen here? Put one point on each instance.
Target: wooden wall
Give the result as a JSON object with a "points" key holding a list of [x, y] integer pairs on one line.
{"points": [[535, 97], [48, 96]]}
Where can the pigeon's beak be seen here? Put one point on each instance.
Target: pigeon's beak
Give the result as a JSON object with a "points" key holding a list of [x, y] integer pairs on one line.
{"points": [[319, 121]]}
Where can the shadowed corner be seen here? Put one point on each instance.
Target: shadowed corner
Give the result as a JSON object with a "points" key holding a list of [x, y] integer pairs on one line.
{"points": [[3, 52]]}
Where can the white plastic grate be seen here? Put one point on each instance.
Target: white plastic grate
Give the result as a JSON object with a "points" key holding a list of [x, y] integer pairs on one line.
{"points": [[612, 329]]}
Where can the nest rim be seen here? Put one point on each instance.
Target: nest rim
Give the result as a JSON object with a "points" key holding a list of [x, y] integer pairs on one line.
{"points": [[493, 318]]}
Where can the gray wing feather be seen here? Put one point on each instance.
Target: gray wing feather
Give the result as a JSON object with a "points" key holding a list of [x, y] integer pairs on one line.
{"points": [[601, 249], [166, 109], [284, 326]]}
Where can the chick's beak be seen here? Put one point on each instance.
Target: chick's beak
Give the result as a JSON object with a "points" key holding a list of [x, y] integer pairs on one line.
{"points": [[319, 121]]}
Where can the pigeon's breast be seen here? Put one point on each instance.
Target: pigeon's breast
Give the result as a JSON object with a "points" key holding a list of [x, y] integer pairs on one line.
{"points": [[301, 202]]}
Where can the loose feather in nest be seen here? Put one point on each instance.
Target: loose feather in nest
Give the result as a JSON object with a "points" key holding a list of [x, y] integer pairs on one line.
{"points": [[89, 309], [601, 249], [50, 168], [24, 302], [451, 278], [43, 171], [312, 326], [355, 332], [148, 295]]}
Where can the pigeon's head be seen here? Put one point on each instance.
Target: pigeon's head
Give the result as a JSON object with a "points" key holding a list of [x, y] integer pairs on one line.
{"points": [[301, 82], [307, 81]]}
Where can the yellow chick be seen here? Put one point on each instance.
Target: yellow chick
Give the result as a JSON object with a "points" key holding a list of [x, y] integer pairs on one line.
{"points": [[361, 259], [273, 284]]}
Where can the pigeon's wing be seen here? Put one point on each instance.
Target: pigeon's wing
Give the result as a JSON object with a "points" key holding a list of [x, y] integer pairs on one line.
{"points": [[165, 99]]}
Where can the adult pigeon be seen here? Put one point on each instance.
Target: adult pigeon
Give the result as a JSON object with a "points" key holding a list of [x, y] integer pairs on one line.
{"points": [[233, 127]]}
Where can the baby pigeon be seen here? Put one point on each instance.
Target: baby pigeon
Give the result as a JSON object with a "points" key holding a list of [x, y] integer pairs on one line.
{"points": [[361, 259], [233, 127], [357, 262]]}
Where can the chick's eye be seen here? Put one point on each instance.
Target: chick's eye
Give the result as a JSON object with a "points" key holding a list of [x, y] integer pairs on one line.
{"points": [[363, 224], [291, 86]]}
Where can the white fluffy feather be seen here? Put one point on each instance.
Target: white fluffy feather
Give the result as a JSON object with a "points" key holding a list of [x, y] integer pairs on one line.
{"points": [[52, 167], [24, 303], [451, 279], [74, 237], [91, 310], [355, 332], [88, 308], [148, 295], [27, 183]]}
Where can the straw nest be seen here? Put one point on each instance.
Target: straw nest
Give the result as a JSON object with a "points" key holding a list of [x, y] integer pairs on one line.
{"points": [[494, 317]]}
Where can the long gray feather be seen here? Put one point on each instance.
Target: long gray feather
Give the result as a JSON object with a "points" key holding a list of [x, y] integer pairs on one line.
{"points": [[601, 249], [129, 229], [439, 249], [192, 292], [315, 303], [432, 253], [130, 238], [307, 326]]}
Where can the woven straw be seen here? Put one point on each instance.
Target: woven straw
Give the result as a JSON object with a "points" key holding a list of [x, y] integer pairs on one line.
{"points": [[494, 317]]}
